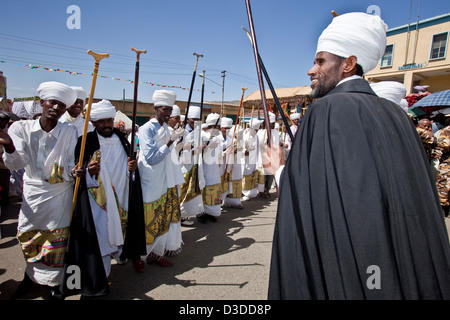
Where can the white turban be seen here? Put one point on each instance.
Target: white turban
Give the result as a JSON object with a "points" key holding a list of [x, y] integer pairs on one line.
{"points": [[194, 112], [53, 90], [404, 105], [164, 98], [102, 110], [355, 34], [182, 117], [175, 111], [295, 116], [211, 119], [81, 94], [255, 123], [271, 117], [390, 90], [226, 122]]}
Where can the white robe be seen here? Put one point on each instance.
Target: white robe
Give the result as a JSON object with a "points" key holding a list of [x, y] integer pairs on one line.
{"points": [[234, 165], [45, 206], [189, 159], [159, 171], [250, 165], [211, 170], [113, 169], [76, 122]]}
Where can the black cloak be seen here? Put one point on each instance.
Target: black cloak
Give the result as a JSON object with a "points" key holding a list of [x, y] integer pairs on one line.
{"points": [[358, 214], [83, 249]]}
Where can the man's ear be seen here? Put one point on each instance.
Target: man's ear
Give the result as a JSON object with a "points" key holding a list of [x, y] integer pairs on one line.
{"points": [[350, 65]]}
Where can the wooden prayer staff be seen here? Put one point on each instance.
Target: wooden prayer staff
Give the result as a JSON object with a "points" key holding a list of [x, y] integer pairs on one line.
{"points": [[98, 57], [234, 130], [133, 121], [203, 93], [272, 90], [258, 69], [192, 84]]}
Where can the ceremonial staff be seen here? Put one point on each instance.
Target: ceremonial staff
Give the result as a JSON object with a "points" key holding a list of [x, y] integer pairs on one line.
{"points": [[234, 130], [133, 122], [275, 97], [192, 83], [258, 69], [203, 93], [98, 57]]}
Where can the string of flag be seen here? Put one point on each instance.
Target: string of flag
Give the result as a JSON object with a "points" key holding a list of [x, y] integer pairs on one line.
{"points": [[33, 67]]}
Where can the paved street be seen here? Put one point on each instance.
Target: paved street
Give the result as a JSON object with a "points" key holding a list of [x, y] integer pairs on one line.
{"points": [[225, 260]]}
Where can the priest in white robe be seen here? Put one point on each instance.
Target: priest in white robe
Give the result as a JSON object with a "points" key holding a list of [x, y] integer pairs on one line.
{"points": [[73, 115], [160, 177], [45, 148], [250, 166]]}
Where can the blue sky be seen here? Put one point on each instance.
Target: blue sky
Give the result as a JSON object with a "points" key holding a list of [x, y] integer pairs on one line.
{"points": [[35, 32]]}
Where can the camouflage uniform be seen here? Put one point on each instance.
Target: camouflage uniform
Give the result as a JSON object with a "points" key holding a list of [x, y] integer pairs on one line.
{"points": [[443, 177]]}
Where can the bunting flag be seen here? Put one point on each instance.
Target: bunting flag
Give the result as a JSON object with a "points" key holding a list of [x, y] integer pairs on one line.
{"points": [[113, 78]]}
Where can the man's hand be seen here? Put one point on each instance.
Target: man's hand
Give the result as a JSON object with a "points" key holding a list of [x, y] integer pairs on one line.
{"points": [[7, 142], [93, 167], [132, 165], [78, 172]]}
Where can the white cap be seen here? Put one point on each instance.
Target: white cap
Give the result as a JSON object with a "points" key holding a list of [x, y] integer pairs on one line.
{"points": [[272, 117], [164, 98], [175, 111], [255, 123], [58, 91], [102, 110], [81, 94], [226, 122], [194, 112], [390, 90], [355, 34], [295, 116], [212, 118]]}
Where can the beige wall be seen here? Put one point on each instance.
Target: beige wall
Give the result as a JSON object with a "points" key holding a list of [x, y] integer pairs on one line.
{"points": [[435, 73]]}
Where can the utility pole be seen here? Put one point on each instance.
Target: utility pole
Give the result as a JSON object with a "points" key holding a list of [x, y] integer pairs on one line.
{"points": [[222, 111]]}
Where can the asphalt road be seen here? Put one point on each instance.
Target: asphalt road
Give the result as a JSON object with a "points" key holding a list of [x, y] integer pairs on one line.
{"points": [[224, 260]]}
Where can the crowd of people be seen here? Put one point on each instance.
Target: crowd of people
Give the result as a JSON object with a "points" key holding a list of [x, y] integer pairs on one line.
{"points": [[360, 213], [126, 207]]}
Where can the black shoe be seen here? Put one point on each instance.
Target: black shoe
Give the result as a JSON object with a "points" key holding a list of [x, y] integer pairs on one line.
{"points": [[55, 293], [202, 217], [24, 287], [211, 217]]}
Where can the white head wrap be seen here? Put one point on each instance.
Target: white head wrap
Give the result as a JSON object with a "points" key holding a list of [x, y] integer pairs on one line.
{"points": [[226, 122], [271, 117], [355, 34], [295, 116], [164, 98], [211, 119], [204, 126], [175, 111], [102, 110], [182, 117], [53, 90], [404, 105], [255, 123], [81, 94], [390, 90], [194, 112]]}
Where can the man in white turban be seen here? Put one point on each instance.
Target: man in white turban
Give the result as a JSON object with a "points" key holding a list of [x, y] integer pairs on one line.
{"points": [[45, 148], [391, 90], [250, 174], [117, 228], [73, 115], [191, 201], [161, 176], [212, 152], [358, 209]]}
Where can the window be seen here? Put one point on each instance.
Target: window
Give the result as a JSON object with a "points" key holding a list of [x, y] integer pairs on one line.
{"points": [[439, 46], [386, 60]]}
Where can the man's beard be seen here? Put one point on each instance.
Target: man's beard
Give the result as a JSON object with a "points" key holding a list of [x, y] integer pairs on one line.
{"points": [[320, 90]]}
